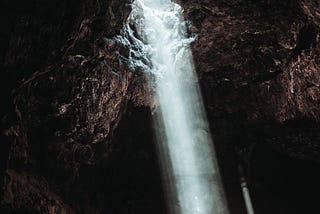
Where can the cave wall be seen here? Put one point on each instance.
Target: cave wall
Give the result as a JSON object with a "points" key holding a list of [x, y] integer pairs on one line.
{"points": [[76, 129], [64, 91], [259, 59], [258, 66]]}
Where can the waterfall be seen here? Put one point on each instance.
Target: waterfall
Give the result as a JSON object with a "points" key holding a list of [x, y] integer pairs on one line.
{"points": [[189, 166]]}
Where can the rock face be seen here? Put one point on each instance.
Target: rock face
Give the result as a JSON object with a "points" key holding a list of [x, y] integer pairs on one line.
{"points": [[76, 129], [259, 69], [259, 59], [65, 89]]}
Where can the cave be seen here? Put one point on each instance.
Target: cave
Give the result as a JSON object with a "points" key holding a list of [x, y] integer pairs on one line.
{"points": [[77, 133]]}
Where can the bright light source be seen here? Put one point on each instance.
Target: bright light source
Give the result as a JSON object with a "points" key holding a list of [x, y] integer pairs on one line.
{"points": [[189, 167]]}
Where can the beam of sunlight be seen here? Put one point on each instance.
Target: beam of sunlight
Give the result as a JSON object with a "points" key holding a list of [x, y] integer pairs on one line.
{"points": [[189, 167]]}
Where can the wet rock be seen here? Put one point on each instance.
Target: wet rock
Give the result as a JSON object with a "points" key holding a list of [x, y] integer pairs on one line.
{"points": [[76, 129], [258, 66], [267, 50]]}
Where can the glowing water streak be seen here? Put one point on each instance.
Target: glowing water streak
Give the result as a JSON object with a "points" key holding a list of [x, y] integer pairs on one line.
{"points": [[190, 170]]}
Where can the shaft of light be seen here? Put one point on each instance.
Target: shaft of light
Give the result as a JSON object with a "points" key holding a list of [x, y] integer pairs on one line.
{"points": [[246, 196], [245, 191], [190, 171]]}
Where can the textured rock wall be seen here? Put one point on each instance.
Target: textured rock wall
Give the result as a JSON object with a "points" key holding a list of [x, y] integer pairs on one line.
{"points": [[258, 58], [64, 89], [259, 69], [76, 129]]}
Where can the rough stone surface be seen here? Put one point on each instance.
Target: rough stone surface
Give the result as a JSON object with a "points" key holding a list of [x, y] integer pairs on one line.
{"points": [[65, 87], [76, 127], [259, 69]]}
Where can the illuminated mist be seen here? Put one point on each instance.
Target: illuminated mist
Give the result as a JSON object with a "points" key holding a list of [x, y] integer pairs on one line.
{"points": [[190, 172]]}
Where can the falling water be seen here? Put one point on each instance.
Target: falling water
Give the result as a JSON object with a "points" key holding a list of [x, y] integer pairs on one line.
{"points": [[189, 167]]}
